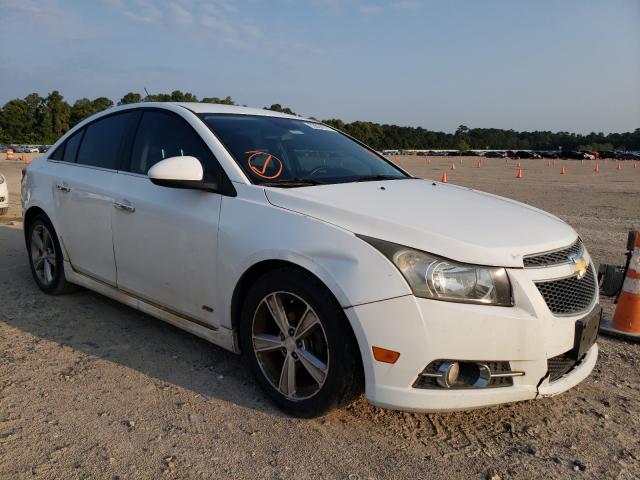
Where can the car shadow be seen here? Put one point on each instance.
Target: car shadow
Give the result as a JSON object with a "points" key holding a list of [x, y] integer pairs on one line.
{"points": [[103, 328]]}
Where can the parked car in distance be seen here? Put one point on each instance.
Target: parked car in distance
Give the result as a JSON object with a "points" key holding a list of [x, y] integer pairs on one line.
{"points": [[526, 155], [284, 240], [494, 154], [575, 155], [4, 195]]}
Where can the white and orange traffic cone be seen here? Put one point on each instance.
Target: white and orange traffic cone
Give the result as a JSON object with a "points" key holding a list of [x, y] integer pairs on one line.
{"points": [[597, 169], [562, 171], [519, 173], [626, 320], [453, 166], [443, 179]]}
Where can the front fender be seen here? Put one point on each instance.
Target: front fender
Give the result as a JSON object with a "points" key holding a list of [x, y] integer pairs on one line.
{"points": [[253, 231]]}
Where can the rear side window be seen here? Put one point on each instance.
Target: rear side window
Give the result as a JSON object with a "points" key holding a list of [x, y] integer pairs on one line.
{"points": [[162, 135], [71, 147], [101, 143]]}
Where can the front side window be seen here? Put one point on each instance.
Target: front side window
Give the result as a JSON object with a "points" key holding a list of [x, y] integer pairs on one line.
{"points": [[289, 152], [101, 142], [162, 135]]}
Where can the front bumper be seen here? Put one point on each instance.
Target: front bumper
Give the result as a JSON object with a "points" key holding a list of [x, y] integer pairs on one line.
{"points": [[422, 330]]}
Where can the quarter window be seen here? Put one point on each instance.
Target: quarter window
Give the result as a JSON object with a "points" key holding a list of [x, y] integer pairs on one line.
{"points": [[101, 143], [71, 148], [161, 135]]}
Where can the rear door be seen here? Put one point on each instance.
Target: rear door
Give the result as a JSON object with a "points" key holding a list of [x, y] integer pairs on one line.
{"points": [[165, 239], [84, 195]]}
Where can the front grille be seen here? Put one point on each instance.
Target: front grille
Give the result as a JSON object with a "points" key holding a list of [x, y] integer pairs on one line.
{"points": [[556, 257], [559, 366], [569, 296]]}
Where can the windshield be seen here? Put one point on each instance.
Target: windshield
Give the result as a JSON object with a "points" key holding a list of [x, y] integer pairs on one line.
{"points": [[285, 152]]}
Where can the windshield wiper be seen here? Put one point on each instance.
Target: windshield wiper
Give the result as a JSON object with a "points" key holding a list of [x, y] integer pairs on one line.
{"points": [[373, 178], [292, 182]]}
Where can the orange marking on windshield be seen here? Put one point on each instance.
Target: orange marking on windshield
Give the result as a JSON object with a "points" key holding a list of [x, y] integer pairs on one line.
{"points": [[261, 171]]}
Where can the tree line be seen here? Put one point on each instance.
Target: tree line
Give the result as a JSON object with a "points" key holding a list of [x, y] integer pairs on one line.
{"points": [[42, 120]]}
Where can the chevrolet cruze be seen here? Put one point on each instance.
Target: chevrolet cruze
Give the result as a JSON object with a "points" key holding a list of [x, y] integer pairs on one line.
{"points": [[329, 268]]}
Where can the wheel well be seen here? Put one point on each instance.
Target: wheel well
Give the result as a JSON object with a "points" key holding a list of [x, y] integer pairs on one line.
{"points": [[248, 278], [29, 216]]}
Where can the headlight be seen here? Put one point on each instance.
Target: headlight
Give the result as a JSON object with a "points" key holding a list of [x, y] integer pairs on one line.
{"points": [[442, 279]]}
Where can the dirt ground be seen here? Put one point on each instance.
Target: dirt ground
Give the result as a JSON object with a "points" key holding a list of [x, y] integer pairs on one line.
{"points": [[93, 389]]}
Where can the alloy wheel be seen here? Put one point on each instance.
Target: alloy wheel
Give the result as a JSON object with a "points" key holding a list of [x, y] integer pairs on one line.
{"points": [[43, 254], [290, 345]]}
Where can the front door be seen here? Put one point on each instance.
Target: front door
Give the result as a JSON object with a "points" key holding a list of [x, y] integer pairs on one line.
{"points": [[165, 239]]}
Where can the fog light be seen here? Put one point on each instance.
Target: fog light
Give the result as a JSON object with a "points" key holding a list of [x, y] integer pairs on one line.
{"points": [[449, 373], [460, 374]]}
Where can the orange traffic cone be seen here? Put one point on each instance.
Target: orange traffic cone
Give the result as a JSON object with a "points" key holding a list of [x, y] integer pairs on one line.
{"points": [[453, 166], [618, 166], [548, 163], [635, 164], [626, 320], [562, 171], [443, 179], [597, 169], [519, 165], [519, 174]]}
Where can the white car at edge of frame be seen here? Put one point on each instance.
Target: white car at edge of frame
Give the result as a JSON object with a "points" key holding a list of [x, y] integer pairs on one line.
{"points": [[330, 269], [4, 195]]}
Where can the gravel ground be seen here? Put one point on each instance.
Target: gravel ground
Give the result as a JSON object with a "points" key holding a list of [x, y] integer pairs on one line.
{"points": [[92, 389]]}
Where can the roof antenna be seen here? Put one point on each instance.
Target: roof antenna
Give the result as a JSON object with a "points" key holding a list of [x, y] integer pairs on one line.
{"points": [[145, 91]]}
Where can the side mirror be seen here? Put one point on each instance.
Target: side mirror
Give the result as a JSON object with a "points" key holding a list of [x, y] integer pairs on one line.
{"points": [[180, 172]]}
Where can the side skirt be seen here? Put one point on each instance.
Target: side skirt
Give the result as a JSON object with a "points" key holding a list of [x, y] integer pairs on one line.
{"points": [[222, 337]]}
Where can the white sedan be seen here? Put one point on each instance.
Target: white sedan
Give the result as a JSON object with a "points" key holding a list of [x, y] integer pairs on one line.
{"points": [[326, 266], [4, 195]]}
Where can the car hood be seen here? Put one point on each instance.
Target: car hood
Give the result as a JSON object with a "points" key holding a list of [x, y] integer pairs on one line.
{"points": [[447, 220]]}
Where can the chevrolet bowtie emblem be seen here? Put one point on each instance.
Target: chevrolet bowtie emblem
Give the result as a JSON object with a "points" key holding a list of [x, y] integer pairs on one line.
{"points": [[579, 265]]}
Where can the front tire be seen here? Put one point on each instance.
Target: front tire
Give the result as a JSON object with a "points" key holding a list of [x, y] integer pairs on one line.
{"points": [[298, 343], [45, 257], [4, 210]]}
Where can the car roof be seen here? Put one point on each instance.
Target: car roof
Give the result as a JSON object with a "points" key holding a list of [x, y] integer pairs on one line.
{"points": [[197, 107]]}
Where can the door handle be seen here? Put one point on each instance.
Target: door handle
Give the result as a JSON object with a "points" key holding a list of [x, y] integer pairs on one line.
{"points": [[125, 207], [63, 188]]}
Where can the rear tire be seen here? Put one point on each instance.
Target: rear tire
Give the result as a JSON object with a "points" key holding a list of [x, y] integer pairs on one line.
{"points": [[45, 257], [317, 344]]}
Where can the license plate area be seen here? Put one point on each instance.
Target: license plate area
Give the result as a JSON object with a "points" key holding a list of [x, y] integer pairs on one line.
{"points": [[586, 333]]}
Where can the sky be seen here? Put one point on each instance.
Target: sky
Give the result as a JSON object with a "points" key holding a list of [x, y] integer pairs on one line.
{"points": [[571, 65]]}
